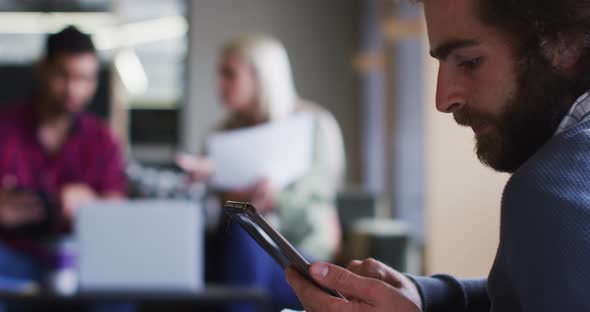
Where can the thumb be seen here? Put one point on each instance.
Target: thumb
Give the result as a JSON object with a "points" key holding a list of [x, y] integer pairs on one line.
{"points": [[344, 281]]}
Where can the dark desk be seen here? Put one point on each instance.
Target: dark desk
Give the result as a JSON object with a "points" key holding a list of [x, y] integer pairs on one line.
{"points": [[211, 298]]}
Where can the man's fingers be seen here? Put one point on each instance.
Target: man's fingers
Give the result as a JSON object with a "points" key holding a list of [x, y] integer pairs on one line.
{"points": [[18, 215], [383, 272], [31, 207], [26, 200], [34, 213], [344, 281], [23, 207], [375, 269], [312, 298], [16, 208], [354, 266], [396, 278]]}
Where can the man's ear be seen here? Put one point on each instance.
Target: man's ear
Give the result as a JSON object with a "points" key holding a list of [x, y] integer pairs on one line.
{"points": [[564, 52]]}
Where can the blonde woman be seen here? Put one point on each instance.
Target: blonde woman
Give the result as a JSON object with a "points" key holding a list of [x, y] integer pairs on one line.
{"points": [[256, 86]]}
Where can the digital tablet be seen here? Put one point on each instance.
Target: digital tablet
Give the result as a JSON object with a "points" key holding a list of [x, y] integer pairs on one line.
{"points": [[271, 240]]}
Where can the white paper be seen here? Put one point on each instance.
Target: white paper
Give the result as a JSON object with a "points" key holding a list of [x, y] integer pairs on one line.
{"points": [[279, 151]]}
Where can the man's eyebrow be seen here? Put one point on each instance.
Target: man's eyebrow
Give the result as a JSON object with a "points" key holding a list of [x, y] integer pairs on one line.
{"points": [[444, 50]]}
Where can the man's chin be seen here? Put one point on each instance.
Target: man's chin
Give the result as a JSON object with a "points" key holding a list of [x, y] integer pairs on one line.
{"points": [[73, 110], [490, 152], [65, 112]]}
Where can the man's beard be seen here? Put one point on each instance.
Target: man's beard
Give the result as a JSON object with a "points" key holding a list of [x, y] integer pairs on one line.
{"points": [[529, 118], [58, 108]]}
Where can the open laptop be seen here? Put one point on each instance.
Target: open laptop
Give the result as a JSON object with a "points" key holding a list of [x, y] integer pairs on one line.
{"points": [[145, 245]]}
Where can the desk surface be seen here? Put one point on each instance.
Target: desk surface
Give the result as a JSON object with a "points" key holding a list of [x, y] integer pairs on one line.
{"points": [[211, 295]]}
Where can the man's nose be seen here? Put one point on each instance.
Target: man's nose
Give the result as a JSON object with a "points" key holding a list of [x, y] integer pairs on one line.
{"points": [[449, 95]]}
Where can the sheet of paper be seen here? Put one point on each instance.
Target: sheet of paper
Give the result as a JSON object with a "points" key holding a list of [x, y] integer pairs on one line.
{"points": [[280, 151]]}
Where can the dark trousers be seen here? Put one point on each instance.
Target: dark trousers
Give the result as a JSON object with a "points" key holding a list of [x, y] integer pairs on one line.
{"points": [[234, 258]]}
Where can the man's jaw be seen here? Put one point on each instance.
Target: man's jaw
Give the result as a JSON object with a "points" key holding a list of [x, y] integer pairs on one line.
{"points": [[482, 129]]}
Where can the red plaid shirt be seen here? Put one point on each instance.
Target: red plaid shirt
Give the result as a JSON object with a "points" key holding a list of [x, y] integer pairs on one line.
{"points": [[90, 155]]}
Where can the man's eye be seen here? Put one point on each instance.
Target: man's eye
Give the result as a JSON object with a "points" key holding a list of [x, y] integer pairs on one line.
{"points": [[471, 64]]}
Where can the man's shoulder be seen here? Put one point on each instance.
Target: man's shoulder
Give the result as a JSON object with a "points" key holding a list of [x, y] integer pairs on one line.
{"points": [[567, 154], [14, 115], [554, 182], [15, 109]]}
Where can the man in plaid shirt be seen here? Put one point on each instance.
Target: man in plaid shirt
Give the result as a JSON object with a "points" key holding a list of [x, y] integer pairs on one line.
{"points": [[54, 157]]}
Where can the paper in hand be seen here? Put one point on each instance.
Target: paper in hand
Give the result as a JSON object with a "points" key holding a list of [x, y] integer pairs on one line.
{"points": [[279, 151]]}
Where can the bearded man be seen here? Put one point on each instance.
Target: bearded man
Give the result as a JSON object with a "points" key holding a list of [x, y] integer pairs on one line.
{"points": [[518, 73]]}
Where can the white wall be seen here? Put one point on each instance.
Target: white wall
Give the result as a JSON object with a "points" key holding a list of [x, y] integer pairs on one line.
{"points": [[462, 197], [321, 38]]}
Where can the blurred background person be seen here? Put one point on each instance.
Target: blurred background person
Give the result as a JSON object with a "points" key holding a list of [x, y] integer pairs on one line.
{"points": [[256, 87], [54, 156]]}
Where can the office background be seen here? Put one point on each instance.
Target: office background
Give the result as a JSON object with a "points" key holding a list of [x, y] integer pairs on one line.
{"points": [[365, 61]]}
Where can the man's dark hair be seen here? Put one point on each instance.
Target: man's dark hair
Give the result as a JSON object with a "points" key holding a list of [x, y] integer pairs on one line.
{"points": [[538, 24], [544, 19], [69, 40]]}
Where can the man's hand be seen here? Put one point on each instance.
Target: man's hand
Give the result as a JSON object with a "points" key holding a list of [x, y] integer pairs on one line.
{"points": [[363, 293], [20, 208], [261, 196], [73, 196], [374, 269]]}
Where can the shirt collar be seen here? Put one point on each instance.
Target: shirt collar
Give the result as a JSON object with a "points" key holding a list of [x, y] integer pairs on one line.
{"points": [[33, 117], [579, 112]]}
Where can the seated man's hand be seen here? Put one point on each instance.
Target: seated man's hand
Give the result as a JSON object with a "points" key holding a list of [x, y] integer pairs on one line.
{"points": [[378, 270], [363, 293], [73, 196], [20, 208]]}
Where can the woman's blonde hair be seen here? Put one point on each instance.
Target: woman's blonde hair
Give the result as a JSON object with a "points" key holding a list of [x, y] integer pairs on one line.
{"points": [[277, 95]]}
